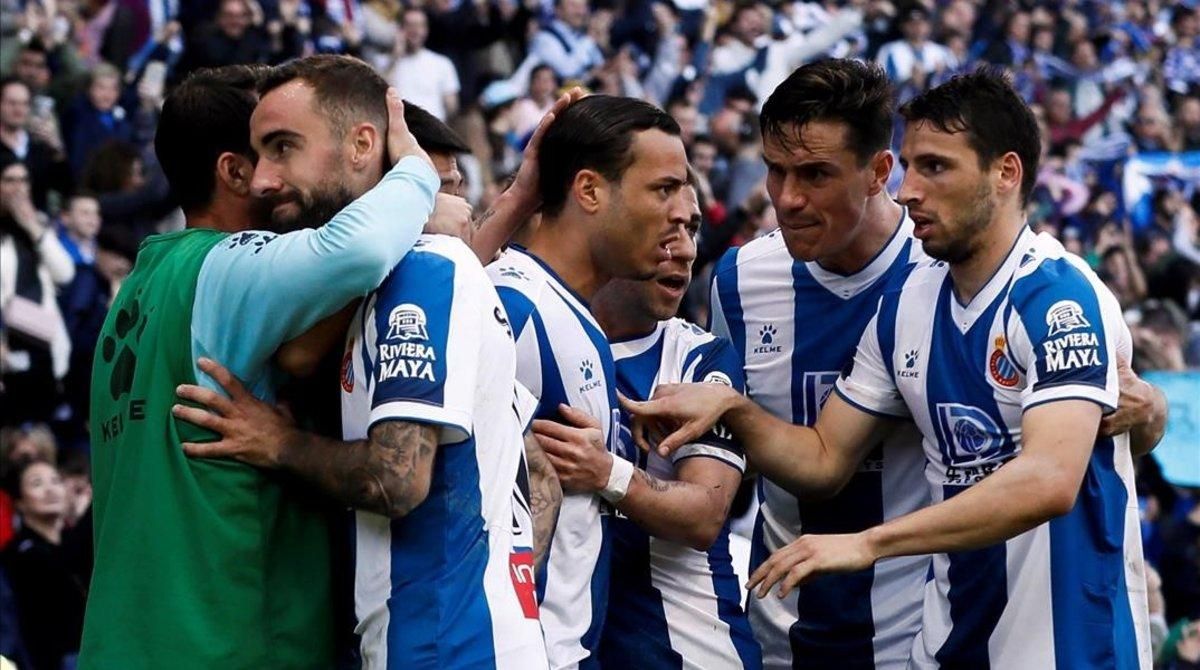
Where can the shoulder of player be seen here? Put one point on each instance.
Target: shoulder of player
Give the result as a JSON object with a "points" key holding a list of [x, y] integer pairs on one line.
{"points": [[1048, 267], [438, 261], [687, 333], [755, 251]]}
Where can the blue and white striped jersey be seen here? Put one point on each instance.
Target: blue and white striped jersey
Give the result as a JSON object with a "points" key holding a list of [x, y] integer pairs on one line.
{"points": [[795, 326], [1069, 593], [672, 606], [448, 585], [564, 358]]}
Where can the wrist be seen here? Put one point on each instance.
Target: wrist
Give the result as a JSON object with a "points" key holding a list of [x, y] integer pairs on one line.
{"points": [[873, 542], [617, 484]]}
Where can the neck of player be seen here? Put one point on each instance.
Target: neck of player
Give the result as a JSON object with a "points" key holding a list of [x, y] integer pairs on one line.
{"points": [[993, 246], [622, 317], [882, 216], [564, 247]]}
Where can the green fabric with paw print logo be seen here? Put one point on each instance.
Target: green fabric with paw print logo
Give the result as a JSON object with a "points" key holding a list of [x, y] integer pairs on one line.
{"points": [[198, 563]]}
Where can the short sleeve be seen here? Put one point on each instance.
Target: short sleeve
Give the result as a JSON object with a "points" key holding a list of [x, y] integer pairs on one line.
{"points": [[715, 363], [868, 383], [1062, 332], [427, 324]]}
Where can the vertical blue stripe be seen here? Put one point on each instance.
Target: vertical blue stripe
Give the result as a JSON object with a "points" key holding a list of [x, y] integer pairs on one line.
{"points": [[438, 611], [553, 394], [725, 276], [729, 602], [978, 595], [1093, 623]]}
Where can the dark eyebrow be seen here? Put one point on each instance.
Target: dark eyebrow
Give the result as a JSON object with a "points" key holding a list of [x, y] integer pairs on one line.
{"points": [[277, 134], [670, 181]]}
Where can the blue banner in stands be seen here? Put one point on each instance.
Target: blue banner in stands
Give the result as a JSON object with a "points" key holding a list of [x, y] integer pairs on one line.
{"points": [[1179, 451]]}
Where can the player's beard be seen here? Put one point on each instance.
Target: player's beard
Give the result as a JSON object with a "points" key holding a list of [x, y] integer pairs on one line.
{"points": [[316, 208], [962, 239]]}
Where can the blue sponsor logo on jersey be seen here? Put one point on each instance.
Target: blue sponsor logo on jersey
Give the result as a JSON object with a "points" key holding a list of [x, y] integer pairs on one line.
{"points": [[971, 432]]}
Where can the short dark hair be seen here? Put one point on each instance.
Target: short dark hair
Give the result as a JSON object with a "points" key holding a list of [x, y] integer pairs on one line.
{"points": [[595, 133], [850, 92], [431, 134], [205, 116], [347, 90], [984, 105]]}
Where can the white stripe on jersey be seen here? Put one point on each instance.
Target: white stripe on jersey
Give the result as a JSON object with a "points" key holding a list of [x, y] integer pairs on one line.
{"points": [[796, 326], [438, 587], [562, 357]]}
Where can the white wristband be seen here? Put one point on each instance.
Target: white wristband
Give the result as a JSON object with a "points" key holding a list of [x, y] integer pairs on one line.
{"points": [[618, 480]]}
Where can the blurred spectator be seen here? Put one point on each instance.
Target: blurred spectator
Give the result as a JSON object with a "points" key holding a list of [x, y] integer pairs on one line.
{"points": [[914, 58], [739, 44], [129, 185], [565, 45], [48, 590], [427, 78], [543, 90], [32, 265], [35, 142], [1012, 48], [1187, 123], [1181, 68], [19, 445], [233, 37], [97, 117]]}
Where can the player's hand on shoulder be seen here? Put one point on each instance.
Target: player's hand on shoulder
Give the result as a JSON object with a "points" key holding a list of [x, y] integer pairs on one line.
{"points": [[811, 555], [451, 216], [250, 430]]}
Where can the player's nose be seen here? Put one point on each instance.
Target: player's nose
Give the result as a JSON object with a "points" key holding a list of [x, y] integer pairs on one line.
{"points": [[266, 179]]}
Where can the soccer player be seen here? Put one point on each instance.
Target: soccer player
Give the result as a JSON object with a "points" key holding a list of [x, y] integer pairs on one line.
{"points": [[794, 304], [202, 564], [434, 447], [674, 598], [612, 179], [1004, 352]]}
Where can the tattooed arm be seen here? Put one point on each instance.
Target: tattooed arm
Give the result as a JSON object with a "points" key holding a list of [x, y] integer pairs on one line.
{"points": [[388, 473], [545, 497], [689, 510]]}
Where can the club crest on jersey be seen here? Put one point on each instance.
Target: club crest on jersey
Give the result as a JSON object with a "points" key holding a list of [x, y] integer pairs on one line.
{"points": [[766, 337], [1001, 369], [1065, 316], [972, 433], [407, 322], [348, 370], [718, 377]]}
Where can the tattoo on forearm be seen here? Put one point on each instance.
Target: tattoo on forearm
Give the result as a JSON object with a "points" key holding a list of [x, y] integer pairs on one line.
{"points": [[483, 218], [655, 483], [388, 473], [545, 497]]}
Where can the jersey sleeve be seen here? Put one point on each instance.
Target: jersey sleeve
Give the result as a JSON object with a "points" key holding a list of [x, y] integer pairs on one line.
{"points": [[1063, 330], [427, 323], [525, 406], [716, 363], [258, 290], [526, 334], [868, 383]]}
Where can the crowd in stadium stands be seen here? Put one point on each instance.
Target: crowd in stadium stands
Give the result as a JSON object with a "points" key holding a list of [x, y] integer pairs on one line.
{"points": [[1114, 84]]}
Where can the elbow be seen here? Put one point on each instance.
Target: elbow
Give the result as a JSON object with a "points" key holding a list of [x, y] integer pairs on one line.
{"points": [[702, 536], [1057, 491]]}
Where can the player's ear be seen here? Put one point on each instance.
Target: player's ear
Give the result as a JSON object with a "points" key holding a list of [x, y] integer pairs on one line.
{"points": [[1010, 172], [881, 169], [589, 190], [236, 172], [366, 143]]}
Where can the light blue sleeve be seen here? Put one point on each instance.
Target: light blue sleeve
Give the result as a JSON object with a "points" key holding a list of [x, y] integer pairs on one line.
{"points": [[258, 290]]}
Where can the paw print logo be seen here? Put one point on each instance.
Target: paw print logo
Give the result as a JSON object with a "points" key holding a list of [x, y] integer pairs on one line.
{"points": [[587, 370], [513, 273], [767, 334], [256, 240], [130, 322], [910, 358]]}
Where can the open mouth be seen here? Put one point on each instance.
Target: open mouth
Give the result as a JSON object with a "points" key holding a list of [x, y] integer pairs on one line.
{"points": [[673, 284]]}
